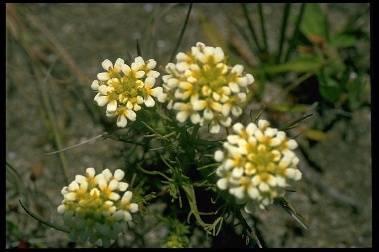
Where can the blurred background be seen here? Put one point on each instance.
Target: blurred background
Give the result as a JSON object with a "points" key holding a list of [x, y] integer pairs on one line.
{"points": [[307, 59]]}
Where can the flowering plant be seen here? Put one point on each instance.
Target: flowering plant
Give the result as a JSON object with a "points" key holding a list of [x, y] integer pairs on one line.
{"points": [[255, 163]]}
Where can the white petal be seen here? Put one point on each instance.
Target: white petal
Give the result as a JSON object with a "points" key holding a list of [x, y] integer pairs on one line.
{"points": [[112, 106], [131, 115], [139, 74], [133, 207], [121, 121], [119, 215], [149, 101], [106, 64], [281, 181], [285, 161], [125, 69], [90, 171], [238, 127], [198, 104], [237, 172], [219, 155], [238, 69], [250, 78], [64, 190], [103, 89], [119, 174], [104, 76], [218, 54], [294, 174], [73, 186], [234, 87], [80, 178], [270, 132], [139, 60], [94, 192], [61, 209], [127, 196], [70, 196], [182, 57], [118, 65], [114, 196], [127, 216], [292, 144], [151, 64], [239, 192], [95, 85], [253, 192], [102, 100], [102, 183], [113, 185], [122, 186], [182, 116], [236, 111], [139, 99], [222, 183], [251, 128], [208, 114], [263, 187], [153, 74], [215, 128], [263, 124], [216, 106], [84, 185], [149, 81], [195, 118], [227, 122]]}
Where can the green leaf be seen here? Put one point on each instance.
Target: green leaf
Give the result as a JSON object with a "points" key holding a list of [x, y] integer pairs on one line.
{"points": [[343, 40], [313, 25], [302, 64], [355, 89], [329, 88]]}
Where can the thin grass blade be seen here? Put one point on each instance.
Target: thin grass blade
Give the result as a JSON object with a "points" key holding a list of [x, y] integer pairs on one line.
{"points": [[291, 45], [181, 32], [287, 9], [251, 27]]}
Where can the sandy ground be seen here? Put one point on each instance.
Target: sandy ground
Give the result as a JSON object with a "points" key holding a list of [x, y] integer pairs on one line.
{"points": [[92, 33]]}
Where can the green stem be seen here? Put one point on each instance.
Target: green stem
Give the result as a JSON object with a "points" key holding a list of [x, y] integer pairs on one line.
{"points": [[251, 27], [181, 32], [49, 224], [283, 30], [244, 223], [291, 45], [51, 118], [263, 27]]}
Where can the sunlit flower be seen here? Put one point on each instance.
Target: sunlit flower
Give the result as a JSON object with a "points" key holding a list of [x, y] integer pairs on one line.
{"points": [[201, 87], [93, 207], [124, 89], [257, 163]]}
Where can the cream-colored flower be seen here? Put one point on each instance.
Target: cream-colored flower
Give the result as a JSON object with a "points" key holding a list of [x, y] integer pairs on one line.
{"points": [[95, 201], [257, 163], [202, 87], [124, 89]]}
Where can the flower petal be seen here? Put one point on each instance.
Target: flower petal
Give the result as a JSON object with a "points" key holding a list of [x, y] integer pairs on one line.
{"points": [[106, 64], [121, 121]]}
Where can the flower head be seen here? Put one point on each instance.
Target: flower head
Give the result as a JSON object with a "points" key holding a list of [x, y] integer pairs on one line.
{"points": [[256, 164], [93, 207], [203, 88], [124, 89]]}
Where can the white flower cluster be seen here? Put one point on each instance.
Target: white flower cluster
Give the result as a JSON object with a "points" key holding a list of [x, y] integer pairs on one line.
{"points": [[202, 87], [93, 208], [257, 162], [125, 88]]}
